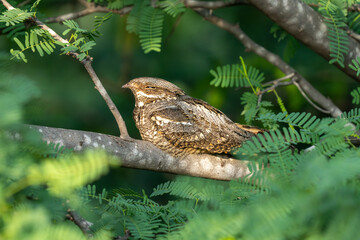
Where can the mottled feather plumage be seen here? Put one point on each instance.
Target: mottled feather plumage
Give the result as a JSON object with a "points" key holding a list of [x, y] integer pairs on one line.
{"points": [[180, 124]]}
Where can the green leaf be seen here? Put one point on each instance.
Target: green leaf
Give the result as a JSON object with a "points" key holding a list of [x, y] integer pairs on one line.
{"points": [[87, 46], [33, 40], [39, 49], [335, 20], [151, 24], [66, 31], [81, 56], [49, 47], [22, 56], [43, 46], [19, 43], [172, 7], [27, 40], [230, 76], [69, 49], [356, 95], [133, 20]]}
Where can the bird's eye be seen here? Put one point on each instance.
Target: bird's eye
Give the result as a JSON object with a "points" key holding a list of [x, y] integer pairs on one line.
{"points": [[148, 87]]}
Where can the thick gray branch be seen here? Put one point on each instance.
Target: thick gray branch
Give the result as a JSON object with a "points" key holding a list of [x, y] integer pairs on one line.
{"points": [[144, 155], [274, 59], [306, 25], [213, 4]]}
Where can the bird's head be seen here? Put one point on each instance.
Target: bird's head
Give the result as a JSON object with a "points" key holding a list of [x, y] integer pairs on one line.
{"points": [[147, 90]]}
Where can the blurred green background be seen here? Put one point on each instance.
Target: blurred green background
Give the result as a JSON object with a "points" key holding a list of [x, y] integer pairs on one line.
{"points": [[190, 49]]}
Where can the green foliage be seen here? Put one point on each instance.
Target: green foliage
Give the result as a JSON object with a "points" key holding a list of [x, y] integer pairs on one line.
{"points": [[15, 16], [12, 30], [117, 4], [39, 40], [98, 22], [133, 20], [310, 1], [353, 116], [150, 29], [172, 7], [334, 12], [38, 181], [278, 33], [230, 76], [147, 23], [35, 4], [31, 41], [284, 199], [356, 95], [240, 75], [355, 66], [252, 108], [81, 40], [301, 120], [126, 209], [87, 34]]}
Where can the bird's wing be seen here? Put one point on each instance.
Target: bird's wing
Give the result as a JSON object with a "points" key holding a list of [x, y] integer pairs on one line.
{"points": [[192, 123]]}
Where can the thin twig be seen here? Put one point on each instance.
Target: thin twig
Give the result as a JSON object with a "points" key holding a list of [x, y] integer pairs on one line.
{"points": [[276, 84], [88, 11], [309, 100], [106, 97], [92, 8], [289, 76], [274, 59], [87, 64]]}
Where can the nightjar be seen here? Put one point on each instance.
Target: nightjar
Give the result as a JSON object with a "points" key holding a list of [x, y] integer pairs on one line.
{"points": [[179, 124]]}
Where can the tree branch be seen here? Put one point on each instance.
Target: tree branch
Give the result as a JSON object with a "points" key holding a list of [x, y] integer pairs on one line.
{"points": [[80, 222], [213, 4], [275, 83], [87, 64], [144, 155], [306, 25], [354, 8], [354, 35], [274, 59], [87, 11], [7, 5], [309, 100], [98, 85]]}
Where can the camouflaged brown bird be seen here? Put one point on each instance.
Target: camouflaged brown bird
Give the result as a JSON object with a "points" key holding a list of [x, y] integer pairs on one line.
{"points": [[179, 124]]}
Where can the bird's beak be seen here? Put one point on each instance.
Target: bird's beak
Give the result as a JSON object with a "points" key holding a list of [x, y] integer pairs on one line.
{"points": [[126, 85]]}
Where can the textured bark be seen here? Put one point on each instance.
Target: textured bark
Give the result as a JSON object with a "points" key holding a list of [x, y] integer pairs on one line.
{"points": [[144, 155], [306, 25]]}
